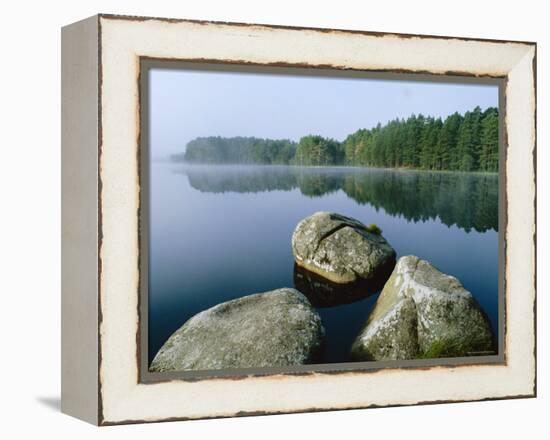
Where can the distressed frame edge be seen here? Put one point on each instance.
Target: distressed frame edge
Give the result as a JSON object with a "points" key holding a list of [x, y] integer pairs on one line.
{"points": [[532, 117], [80, 198], [147, 377], [535, 201], [102, 421], [129, 17]]}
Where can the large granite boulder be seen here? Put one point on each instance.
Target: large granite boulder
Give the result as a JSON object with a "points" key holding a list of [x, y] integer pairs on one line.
{"points": [[340, 248], [276, 328], [423, 313]]}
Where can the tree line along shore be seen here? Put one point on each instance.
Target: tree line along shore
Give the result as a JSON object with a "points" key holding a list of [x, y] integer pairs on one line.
{"points": [[460, 142]]}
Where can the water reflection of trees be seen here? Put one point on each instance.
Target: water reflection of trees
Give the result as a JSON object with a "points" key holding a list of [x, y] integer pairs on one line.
{"points": [[468, 200]]}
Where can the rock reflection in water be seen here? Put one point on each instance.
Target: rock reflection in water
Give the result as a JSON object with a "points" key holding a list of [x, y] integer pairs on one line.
{"points": [[324, 293]]}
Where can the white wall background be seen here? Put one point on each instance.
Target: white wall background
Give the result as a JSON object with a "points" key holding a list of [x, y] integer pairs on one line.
{"points": [[30, 216]]}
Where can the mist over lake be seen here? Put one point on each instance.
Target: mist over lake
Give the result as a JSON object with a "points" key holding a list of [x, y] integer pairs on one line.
{"points": [[220, 232]]}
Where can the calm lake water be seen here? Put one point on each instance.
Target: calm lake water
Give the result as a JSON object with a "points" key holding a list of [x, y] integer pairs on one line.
{"points": [[222, 232]]}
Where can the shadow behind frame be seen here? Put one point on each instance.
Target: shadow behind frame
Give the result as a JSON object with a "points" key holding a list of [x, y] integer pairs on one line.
{"points": [[143, 159]]}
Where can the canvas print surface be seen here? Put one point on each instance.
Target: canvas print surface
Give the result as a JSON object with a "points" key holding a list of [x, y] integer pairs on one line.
{"points": [[300, 220]]}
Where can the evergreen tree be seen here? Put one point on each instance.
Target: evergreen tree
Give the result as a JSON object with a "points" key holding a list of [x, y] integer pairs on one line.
{"points": [[488, 160], [465, 144]]}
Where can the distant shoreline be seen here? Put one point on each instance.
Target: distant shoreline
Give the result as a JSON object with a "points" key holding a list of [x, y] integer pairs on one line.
{"points": [[468, 142], [346, 167]]}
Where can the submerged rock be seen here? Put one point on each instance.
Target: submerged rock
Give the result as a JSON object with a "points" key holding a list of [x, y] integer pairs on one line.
{"points": [[324, 293], [340, 248], [423, 313], [276, 328]]}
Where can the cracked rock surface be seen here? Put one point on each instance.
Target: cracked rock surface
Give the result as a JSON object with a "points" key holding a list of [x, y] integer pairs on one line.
{"points": [[275, 328], [341, 249], [423, 313]]}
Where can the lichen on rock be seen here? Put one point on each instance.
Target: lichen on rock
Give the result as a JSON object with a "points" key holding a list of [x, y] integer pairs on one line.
{"points": [[340, 248], [423, 313]]}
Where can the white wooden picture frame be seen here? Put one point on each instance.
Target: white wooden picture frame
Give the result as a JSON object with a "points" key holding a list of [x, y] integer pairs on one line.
{"points": [[102, 196]]}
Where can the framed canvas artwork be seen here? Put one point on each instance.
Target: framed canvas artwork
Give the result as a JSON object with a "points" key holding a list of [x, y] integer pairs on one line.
{"points": [[266, 219]]}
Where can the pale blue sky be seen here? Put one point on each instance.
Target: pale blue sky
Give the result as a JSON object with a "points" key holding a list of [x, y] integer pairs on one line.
{"points": [[185, 104]]}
